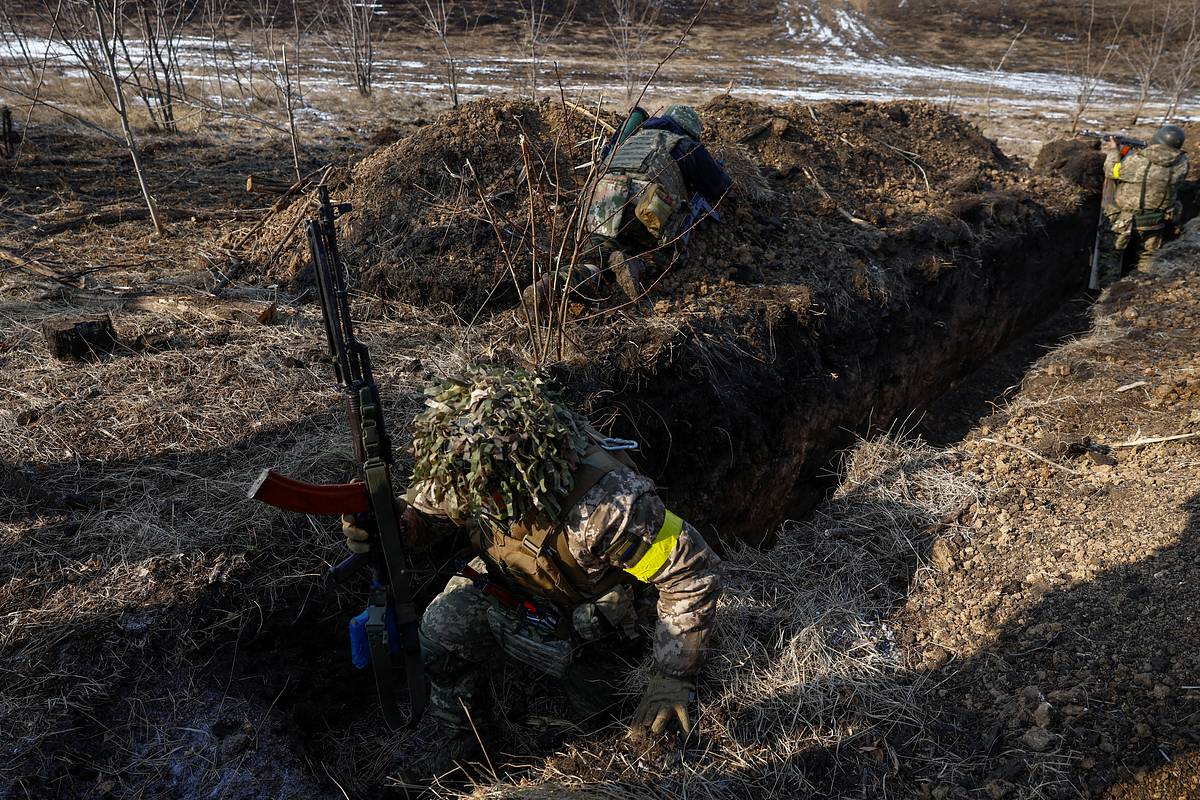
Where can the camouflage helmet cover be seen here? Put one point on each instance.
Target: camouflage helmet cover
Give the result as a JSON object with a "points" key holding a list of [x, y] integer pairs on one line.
{"points": [[686, 118], [496, 445], [1170, 135]]}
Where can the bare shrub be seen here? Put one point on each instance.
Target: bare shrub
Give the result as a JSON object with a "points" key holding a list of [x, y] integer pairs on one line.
{"points": [[13, 31], [1182, 68], [162, 25], [98, 43], [354, 21], [436, 16], [631, 26], [541, 27], [1145, 55], [1091, 68]]}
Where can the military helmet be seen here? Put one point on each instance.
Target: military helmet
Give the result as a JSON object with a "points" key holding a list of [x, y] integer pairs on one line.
{"points": [[686, 118], [1170, 135], [498, 446]]}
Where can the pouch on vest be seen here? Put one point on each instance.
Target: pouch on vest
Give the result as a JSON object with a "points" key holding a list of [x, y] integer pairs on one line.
{"points": [[655, 209], [610, 201], [525, 644], [533, 571], [1149, 221]]}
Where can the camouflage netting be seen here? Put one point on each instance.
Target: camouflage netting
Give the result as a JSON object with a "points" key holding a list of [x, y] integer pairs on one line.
{"points": [[835, 200], [496, 445]]}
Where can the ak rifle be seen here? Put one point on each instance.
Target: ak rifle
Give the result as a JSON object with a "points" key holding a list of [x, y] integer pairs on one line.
{"points": [[391, 619], [1126, 143]]}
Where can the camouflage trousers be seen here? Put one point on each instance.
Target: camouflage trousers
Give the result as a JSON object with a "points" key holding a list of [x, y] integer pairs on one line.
{"points": [[461, 652], [1117, 235]]}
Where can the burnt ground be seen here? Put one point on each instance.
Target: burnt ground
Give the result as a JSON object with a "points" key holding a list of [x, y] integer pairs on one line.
{"points": [[154, 618]]}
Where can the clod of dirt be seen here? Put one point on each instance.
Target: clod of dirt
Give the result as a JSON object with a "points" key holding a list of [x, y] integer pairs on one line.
{"points": [[1078, 160]]}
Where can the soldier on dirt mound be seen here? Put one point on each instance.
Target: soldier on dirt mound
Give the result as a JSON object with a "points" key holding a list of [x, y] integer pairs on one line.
{"points": [[658, 182], [566, 537], [1145, 209]]}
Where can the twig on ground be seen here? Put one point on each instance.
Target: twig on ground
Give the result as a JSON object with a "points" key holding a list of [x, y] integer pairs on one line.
{"points": [[1157, 440], [1030, 453], [587, 112], [36, 267]]}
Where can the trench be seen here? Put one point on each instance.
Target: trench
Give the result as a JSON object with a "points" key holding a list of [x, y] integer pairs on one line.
{"points": [[744, 454], [974, 333]]}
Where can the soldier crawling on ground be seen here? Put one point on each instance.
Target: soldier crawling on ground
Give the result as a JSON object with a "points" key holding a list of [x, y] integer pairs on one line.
{"points": [[1145, 210], [658, 182], [568, 537]]}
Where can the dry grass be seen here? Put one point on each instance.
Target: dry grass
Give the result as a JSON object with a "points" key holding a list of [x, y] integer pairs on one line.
{"points": [[805, 663], [130, 547]]}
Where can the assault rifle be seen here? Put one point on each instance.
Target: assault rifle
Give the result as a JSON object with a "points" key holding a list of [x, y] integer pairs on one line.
{"points": [[390, 622], [1122, 141]]}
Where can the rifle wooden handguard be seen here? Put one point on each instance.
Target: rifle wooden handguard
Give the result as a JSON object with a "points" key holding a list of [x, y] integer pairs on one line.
{"points": [[324, 499]]}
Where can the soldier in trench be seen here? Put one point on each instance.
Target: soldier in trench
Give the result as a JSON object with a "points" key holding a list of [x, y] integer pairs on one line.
{"points": [[658, 182], [568, 541], [1145, 209]]}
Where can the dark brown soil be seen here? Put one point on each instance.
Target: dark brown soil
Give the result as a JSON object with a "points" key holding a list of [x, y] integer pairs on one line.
{"points": [[909, 171], [1076, 587], [1078, 160]]}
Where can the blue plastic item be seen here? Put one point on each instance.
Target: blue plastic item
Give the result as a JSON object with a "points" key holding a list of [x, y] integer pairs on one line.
{"points": [[360, 647]]}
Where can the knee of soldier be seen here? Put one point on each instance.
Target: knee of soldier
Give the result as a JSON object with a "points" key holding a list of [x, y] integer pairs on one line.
{"points": [[455, 624]]}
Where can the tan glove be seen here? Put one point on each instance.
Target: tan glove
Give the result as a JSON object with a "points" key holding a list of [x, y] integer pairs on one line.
{"points": [[358, 540], [666, 698]]}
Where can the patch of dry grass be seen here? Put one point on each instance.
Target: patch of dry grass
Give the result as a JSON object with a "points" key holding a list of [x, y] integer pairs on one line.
{"points": [[129, 545]]}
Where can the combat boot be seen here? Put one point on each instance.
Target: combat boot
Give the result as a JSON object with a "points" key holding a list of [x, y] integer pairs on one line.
{"points": [[629, 273], [441, 755]]}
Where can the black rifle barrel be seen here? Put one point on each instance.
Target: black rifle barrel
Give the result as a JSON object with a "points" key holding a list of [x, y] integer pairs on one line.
{"points": [[1118, 138]]}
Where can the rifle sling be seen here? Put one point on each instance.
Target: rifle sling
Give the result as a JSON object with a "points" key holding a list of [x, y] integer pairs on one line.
{"points": [[383, 505]]}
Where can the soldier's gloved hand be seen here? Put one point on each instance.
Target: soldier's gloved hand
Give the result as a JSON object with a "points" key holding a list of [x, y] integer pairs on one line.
{"points": [[358, 540], [666, 699]]}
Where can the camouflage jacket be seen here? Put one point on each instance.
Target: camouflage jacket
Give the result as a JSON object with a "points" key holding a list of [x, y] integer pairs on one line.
{"points": [[1163, 169], [626, 503]]}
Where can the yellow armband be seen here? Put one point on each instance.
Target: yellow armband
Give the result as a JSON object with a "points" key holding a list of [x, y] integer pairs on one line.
{"points": [[664, 544]]}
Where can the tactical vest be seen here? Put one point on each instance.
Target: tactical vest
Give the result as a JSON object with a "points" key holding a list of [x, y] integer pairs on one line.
{"points": [[534, 555], [642, 177], [1147, 186]]}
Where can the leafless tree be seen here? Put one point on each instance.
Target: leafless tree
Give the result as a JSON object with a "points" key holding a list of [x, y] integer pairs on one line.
{"points": [[631, 26], [436, 18], [1145, 55], [110, 22], [216, 25], [540, 27], [1182, 67], [1092, 67], [284, 76], [13, 31], [356, 32], [162, 26], [39, 79]]}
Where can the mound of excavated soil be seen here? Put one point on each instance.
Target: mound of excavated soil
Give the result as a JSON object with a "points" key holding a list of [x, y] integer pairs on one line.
{"points": [[1078, 160], [823, 195]]}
